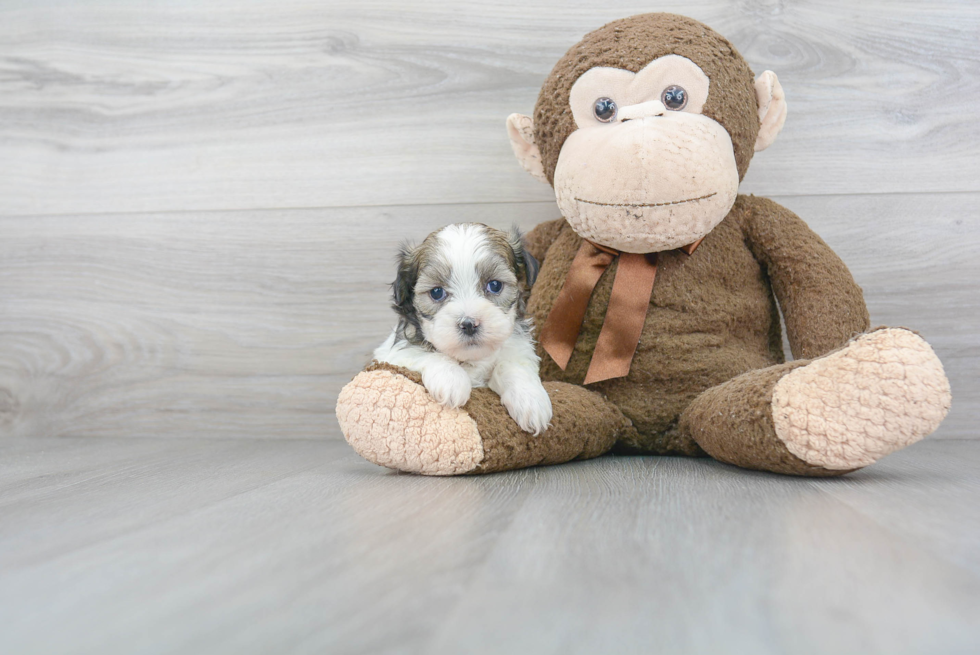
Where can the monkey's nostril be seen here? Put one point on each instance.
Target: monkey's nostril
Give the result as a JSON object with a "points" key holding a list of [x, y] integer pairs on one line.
{"points": [[468, 327]]}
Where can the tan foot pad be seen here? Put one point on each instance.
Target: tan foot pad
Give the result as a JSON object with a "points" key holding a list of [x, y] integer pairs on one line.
{"points": [[392, 421], [881, 392]]}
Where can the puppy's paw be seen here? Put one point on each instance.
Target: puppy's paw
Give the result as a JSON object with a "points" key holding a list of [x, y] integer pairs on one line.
{"points": [[528, 404], [448, 383]]}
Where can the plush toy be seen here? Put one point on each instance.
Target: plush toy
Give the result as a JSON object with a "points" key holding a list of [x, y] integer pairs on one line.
{"points": [[656, 301]]}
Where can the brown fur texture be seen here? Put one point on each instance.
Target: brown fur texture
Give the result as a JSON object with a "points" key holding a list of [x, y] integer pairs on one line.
{"points": [[584, 426], [710, 357], [632, 43], [713, 316], [743, 407], [538, 240], [710, 354]]}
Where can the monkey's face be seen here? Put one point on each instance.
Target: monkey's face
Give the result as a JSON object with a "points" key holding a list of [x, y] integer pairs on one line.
{"points": [[645, 171], [645, 128]]}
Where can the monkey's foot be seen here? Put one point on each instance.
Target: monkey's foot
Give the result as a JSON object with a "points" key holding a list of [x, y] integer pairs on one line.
{"points": [[881, 392], [390, 419]]}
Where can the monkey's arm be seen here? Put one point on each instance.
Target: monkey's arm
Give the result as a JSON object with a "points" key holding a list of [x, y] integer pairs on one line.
{"points": [[822, 304], [538, 240]]}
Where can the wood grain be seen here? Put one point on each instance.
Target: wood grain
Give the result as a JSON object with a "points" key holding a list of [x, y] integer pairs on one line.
{"points": [[222, 324], [174, 546], [161, 106], [765, 565], [246, 324]]}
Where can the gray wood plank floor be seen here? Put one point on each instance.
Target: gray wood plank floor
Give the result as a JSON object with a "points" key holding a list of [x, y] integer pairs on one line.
{"points": [[257, 546]]}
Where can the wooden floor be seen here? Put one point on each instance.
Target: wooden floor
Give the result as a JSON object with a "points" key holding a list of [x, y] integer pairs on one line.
{"points": [[269, 546]]}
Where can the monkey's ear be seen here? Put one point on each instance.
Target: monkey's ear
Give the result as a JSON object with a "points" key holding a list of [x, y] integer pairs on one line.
{"points": [[520, 129], [772, 109]]}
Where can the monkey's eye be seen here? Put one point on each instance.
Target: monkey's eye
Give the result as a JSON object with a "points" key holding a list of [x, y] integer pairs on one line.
{"points": [[437, 294], [604, 109], [674, 98], [494, 286]]}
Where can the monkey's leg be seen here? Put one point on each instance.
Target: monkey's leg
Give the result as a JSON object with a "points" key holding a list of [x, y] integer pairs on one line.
{"points": [[827, 416], [388, 417]]}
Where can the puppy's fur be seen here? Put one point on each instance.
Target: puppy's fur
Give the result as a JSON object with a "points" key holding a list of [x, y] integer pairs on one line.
{"points": [[469, 332]]}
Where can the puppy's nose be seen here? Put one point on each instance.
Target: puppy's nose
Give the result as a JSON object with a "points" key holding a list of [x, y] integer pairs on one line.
{"points": [[468, 326]]}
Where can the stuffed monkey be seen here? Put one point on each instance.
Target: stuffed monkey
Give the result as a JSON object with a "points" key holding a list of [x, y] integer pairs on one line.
{"points": [[656, 302]]}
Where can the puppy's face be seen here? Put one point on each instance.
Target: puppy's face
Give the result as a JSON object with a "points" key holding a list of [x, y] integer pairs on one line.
{"points": [[463, 289]]}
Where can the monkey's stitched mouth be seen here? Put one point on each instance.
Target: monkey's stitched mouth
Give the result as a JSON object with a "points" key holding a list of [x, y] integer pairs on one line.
{"points": [[649, 204]]}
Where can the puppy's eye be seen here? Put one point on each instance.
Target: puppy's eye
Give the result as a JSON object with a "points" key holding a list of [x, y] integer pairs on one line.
{"points": [[674, 98], [604, 110], [437, 294], [494, 286]]}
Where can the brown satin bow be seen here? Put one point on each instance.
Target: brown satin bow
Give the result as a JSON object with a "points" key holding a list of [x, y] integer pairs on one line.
{"points": [[627, 309]]}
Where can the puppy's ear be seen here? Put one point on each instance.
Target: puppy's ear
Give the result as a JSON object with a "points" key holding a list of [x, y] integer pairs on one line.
{"points": [[403, 288], [527, 265], [531, 268]]}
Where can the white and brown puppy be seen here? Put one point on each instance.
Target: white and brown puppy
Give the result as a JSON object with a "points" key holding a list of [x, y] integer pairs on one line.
{"points": [[460, 298]]}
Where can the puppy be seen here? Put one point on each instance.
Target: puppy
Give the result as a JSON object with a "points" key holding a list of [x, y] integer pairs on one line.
{"points": [[460, 297]]}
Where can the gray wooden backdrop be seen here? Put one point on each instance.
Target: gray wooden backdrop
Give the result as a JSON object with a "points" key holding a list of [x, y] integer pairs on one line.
{"points": [[200, 201]]}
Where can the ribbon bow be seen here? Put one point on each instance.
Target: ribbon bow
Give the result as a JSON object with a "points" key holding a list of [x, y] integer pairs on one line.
{"points": [[627, 309]]}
